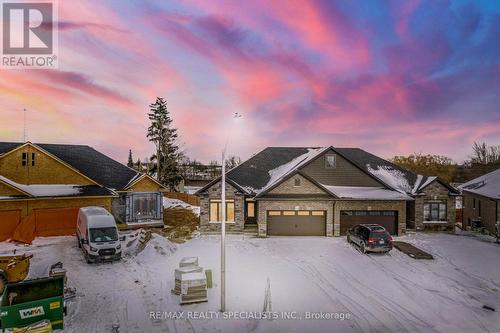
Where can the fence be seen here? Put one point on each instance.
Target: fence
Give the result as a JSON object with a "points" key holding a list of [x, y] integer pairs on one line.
{"points": [[188, 198]]}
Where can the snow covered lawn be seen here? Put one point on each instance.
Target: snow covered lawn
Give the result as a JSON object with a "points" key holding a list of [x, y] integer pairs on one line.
{"points": [[382, 293]]}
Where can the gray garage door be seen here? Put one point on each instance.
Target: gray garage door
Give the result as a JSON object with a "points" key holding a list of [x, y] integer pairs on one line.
{"points": [[386, 218], [296, 223]]}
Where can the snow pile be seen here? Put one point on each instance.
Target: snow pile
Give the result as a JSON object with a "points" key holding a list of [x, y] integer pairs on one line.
{"points": [[278, 173], [487, 185], [44, 190], [392, 177], [371, 193], [157, 246], [176, 203]]}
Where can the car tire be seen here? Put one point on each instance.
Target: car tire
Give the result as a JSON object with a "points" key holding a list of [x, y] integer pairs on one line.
{"points": [[362, 247]]}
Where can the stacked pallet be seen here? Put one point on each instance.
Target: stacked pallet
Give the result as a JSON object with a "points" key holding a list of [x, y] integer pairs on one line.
{"points": [[188, 261], [190, 281], [179, 272], [193, 288]]}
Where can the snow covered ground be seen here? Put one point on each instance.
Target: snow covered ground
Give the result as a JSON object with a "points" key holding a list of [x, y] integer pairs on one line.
{"points": [[380, 293]]}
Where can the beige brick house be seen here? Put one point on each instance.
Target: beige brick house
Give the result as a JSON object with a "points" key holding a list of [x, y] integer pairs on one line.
{"points": [[325, 191]]}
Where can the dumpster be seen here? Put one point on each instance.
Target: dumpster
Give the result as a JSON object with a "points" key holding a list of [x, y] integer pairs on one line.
{"points": [[31, 301], [13, 269]]}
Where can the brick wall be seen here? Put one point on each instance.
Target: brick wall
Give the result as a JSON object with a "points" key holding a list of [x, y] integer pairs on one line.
{"points": [[214, 192], [288, 187], [435, 192]]}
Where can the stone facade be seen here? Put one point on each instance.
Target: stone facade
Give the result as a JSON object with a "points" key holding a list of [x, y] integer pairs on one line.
{"points": [[435, 192], [399, 206], [312, 204], [289, 187], [214, 193], [308, 196]]}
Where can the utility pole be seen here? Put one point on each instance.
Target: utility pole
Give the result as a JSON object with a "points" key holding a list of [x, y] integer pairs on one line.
{"points": [[223, 235], [236, 116]]}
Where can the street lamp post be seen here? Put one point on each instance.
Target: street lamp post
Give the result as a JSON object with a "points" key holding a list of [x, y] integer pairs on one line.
{"points": [[236, 116]]}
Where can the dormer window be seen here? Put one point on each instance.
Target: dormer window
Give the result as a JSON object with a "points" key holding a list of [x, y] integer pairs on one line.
{"points": [[330, 161], [24, 160], [296, 182]]}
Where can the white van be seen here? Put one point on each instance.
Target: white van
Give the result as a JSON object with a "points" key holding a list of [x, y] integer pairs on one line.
{"points": [[97, 235]]}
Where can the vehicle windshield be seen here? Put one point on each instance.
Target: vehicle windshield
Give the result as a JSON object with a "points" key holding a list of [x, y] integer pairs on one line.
{"points": [[103, 234], [379, 234]]}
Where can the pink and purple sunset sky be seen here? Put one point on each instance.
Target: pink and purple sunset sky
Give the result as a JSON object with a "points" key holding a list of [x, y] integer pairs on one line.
{"points": [[391, 77]]}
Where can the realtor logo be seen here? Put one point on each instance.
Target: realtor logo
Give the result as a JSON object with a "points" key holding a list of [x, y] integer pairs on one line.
{"points": [[31, 312], [29, 38]]}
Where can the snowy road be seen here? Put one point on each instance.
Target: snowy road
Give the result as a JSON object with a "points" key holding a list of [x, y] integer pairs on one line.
{"points": [[381, 293]]}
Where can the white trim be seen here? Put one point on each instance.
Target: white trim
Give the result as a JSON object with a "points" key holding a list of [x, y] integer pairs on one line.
{"points": [[435, 222]]}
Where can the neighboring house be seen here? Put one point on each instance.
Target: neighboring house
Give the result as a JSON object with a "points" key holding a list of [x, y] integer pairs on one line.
{"points": [[49, 179], [324, 191], [481, 201]]}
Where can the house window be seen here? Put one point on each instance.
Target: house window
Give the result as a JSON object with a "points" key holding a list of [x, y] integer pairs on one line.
{"points": [[330, 161], [25, 159], [474, 203], [434, 212], [216, 211], [32, 159], [145, 206], [296, 182], [250, 209], [479, 208]]}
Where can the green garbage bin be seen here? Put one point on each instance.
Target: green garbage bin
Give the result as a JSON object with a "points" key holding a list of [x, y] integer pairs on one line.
{"points": [[30, 301]]}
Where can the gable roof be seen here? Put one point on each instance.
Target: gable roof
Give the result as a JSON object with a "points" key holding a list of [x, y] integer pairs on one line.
{"points": [[487, 185], [54, 190], [266, 169], [86, 160]]}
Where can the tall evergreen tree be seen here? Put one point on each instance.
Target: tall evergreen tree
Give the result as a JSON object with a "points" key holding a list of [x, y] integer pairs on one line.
{"points": [[130, 162], [164, 136]]}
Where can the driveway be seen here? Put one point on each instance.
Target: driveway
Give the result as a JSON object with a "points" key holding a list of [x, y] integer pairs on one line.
{"points": [[309, 276]]}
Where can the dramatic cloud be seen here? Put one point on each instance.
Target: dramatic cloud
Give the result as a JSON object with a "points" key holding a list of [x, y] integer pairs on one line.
{"points": [[391, 77]]}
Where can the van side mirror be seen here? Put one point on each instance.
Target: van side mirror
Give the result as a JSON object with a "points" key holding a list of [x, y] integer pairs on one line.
{"points": [[84, 241], [122, 238]]}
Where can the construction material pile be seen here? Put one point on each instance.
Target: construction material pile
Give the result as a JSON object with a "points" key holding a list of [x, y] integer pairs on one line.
{"points": [[190, 281]]}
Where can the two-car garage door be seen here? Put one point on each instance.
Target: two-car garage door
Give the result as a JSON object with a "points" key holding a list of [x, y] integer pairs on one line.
{"points": [[313, 223], [296, 223], [386, 218]]}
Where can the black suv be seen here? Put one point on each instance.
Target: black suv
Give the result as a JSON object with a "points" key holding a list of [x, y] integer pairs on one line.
{"points": [[370, 238]]}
